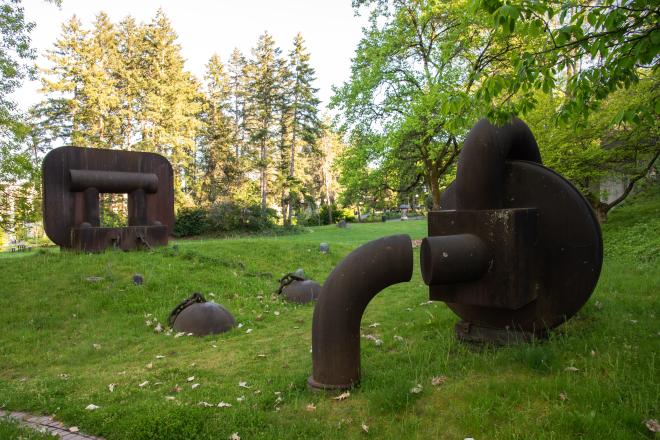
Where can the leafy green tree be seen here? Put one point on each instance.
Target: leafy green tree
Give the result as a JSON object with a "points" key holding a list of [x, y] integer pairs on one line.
{"points": [[412, 92], [589, 49], [597, 150]]}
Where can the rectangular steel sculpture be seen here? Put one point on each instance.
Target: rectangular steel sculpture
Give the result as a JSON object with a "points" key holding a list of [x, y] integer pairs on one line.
{"points": [[74, 177]]}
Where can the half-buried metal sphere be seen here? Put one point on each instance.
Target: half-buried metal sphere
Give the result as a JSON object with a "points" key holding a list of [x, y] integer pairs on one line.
{"points": [[200, 317], [302, 292]]}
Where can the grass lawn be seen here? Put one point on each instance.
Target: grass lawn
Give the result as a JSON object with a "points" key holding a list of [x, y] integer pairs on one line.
{"points": [[65, 339]]}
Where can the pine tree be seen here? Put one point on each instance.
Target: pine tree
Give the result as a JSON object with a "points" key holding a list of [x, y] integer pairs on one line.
{"points": [[220, 166], [303, 108], [262, 108]]}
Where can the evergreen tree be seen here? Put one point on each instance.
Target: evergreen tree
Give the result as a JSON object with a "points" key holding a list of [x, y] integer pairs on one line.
{"points": [[220, 164], [261, 113], [303, 108]]}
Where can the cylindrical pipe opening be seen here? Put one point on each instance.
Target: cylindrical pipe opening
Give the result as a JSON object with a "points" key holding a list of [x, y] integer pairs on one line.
{"points": [[453, 258]]}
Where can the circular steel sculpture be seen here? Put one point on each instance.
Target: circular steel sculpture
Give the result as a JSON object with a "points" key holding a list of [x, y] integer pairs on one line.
{"points": [[516, 247], [200, 317]]}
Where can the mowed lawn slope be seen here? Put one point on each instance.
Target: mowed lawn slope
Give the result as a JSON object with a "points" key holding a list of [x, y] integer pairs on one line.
{"points": [[65, 339]]}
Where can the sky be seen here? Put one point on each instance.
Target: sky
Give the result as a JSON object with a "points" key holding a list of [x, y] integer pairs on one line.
{"points": [[330, 29]]}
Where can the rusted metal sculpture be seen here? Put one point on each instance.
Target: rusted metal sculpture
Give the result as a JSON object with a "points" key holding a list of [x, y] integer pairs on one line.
{"points": [[516, 249], [294, 287], [344, 297], [74, 177], [200, 317]]}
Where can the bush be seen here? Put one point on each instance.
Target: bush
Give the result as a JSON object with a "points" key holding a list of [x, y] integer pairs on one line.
{"points": [[190, 221], [337, 214], [230, 216]]}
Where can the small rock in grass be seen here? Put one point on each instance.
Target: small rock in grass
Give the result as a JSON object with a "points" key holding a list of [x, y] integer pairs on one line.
{"points": [[92, 407], [138, 279]]}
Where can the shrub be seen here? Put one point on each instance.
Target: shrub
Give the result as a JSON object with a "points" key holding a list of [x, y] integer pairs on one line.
{"points": [[337, 214], [190, 221], [231, 216]]}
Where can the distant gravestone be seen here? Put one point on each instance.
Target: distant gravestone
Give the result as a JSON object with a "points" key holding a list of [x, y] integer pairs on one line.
{"points": [[342, 224], [324, 248]]}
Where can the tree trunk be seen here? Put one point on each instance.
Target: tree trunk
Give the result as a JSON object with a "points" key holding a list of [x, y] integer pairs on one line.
{"points": [[264, 185]]}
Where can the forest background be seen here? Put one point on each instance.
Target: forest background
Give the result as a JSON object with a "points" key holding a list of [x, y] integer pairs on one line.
{"points": [[251, 146]]}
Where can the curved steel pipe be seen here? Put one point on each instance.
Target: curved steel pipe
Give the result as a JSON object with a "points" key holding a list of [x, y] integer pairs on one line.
{"points": [[344, 297], [480, 170]]}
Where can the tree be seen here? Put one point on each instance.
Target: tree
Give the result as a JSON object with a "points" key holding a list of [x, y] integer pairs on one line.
{"points": [[220, 165], [589, 48], [124, 87], [597, 150], [305, 126], [261, 111], [19, 170], [412, 92]]}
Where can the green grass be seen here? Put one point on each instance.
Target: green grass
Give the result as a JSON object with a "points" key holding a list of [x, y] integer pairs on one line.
{"points": [[51, 317]]}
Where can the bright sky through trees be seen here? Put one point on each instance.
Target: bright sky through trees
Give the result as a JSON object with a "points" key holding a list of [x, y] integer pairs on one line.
{"points": [[204, 27]]}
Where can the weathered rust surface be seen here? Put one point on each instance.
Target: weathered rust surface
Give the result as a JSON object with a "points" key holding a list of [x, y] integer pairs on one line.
{"points": [[302, 292], [74, 177], [542, 236], [199, 317], [345, 295]]}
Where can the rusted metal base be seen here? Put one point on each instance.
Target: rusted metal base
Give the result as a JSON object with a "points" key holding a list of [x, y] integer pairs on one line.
{"points": [[90, 239], [324, 387], [474, 334]]}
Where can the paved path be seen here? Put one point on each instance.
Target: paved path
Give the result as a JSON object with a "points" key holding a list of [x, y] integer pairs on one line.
{"points": [[47, 424]]}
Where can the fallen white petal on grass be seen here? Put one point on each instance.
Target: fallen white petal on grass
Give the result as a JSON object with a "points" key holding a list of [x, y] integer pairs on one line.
{"points": [[276, 313], [243, 385], [416, 389], [261, 355], [365, 428], [170, 398], [111, 387], [240, 324], [158, 328], [195, 385], [205, 404], [398, 338], [74, 429], [97, 346], [563, 397], [235, 436], [179, 334], [150, 365], [343, 396], [191, 378], [438, 380], [224, 405], [652, 425], [190, 334], [571, 369], [374, 325], [248, 330], [240, 399], [160, 356], [144, 384], [92, 407], [311, 407]]}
